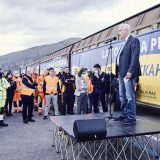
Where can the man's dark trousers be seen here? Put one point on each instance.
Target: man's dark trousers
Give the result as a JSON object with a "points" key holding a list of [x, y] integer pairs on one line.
{"points": [[28, 104]]}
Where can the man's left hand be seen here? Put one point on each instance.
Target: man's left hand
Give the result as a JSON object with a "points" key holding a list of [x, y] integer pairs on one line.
{"points": [[128, 75]]}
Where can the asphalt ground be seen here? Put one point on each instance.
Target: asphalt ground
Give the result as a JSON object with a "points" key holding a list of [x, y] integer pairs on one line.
{"points": [[33, 141]]}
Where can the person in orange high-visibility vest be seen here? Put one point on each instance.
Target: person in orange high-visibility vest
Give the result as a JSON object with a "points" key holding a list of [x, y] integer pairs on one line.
{"points": [[90, 90], [17, 94], [41, 97], [27, 94], [35, 79], [51, 90]]}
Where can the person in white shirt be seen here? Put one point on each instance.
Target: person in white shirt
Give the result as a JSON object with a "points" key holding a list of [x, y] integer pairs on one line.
{"points": [[81, 92]]}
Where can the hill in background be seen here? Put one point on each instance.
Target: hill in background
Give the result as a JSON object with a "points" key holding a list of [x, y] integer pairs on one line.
{"points": [[16, 59]]}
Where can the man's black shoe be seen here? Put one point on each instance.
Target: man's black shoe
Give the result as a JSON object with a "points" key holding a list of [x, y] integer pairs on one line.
{"points": [[31, 120], [10, 114], [128, 121], [25, 121], [2, 124], [120, 118], [45, 117]]}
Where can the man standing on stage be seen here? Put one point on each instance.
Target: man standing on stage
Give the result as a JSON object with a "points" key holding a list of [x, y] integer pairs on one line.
{"points": [[127, 69]]}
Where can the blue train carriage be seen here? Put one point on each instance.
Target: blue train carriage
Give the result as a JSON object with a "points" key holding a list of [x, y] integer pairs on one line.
{"points": [[149, 83], [56, 63]]}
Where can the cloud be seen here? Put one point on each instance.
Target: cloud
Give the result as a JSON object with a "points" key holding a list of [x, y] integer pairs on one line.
{"points": [[28, 23]]}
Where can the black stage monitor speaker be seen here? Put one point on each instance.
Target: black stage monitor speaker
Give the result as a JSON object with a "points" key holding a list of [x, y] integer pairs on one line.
{"points": [[90, 129]]}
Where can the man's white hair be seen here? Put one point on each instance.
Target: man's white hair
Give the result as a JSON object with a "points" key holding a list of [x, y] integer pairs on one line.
{"points": [[126, 27]]}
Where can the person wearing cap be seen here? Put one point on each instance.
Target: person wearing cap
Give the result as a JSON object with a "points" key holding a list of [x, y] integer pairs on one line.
{"points": [[10, 94], [98, 80], [27, 94], [17, 93], [68, 89], [3, 86], [51, 89]]}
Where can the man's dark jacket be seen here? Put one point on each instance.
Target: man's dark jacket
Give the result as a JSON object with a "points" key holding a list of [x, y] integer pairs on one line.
{"points": [[129, 58]]}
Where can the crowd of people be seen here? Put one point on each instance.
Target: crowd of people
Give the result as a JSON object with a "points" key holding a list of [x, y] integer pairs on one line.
{"points": [[31, 91], [86, 87]]}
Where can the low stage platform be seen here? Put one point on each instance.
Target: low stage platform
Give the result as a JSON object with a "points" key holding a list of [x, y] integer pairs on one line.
{"points": [[131, 142]]}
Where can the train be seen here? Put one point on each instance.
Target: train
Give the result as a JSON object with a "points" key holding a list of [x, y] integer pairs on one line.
{"points": [[94, 49]]}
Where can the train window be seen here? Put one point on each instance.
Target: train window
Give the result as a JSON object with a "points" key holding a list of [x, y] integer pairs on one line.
{"points": [[158, 25]]}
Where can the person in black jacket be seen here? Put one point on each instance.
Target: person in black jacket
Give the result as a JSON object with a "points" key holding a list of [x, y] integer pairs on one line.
{"points": [[98, 80], [68, 89], [61, 73], [10, 94], [27, 94]]}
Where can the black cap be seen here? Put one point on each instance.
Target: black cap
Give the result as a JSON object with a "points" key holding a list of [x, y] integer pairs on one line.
{"points": [[97, 66]]}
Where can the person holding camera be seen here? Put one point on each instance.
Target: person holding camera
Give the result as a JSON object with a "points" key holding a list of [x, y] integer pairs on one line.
{"points": [[98, 81], [81, 91]]}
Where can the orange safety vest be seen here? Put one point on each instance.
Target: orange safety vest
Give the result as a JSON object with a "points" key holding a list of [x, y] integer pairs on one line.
{"points": [[26, 90], [51, 84], [90, 86], [40, 84], [18, 83], [63, 89]]}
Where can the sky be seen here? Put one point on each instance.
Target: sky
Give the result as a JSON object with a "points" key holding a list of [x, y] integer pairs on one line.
{"points": [[29, 23]]}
